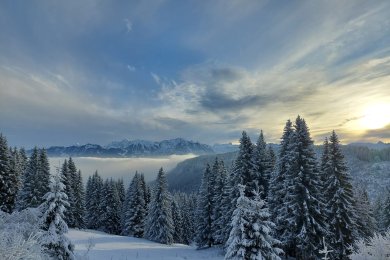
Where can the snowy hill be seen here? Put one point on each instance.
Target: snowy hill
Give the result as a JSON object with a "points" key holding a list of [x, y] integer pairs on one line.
{"points": [[368, 166], [136, 148], [114, 247]]}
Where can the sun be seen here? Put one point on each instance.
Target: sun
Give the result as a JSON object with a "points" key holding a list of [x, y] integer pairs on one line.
{"points": [[376, 116]]}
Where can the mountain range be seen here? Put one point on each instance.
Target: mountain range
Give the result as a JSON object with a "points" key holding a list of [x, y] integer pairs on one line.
{"points": [[136, 148]]}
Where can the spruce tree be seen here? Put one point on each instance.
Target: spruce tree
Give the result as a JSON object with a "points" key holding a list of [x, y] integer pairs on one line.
{"points": [[79, 200], [30, 193], [305, 214], [8, 178], [67, 181], [93, 198], [204, 211], [177, 219], [340, 201], [56, 244], [219, 209], [386, 211], [262, 166], [365, 222], [72, 181], [135, 212], [278, 190], [242, 173], [43, 174], [109, 220], [159, 225], [250, 237]]}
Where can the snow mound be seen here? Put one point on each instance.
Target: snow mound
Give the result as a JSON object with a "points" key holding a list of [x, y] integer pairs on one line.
{"points": [[106, 246]]}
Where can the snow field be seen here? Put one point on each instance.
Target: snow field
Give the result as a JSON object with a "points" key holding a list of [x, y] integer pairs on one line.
{"points": [[112, 247]]}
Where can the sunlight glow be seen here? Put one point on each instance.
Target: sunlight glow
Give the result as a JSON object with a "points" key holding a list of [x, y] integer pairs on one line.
{"points": [[376, 116]]}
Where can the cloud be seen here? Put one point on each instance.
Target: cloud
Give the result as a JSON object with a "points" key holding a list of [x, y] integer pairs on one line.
{"points": [[129, 25], [131, 68], [156, 78]]}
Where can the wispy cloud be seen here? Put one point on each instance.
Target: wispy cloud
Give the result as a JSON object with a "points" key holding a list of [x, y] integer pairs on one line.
{"points": [[129, 25]]}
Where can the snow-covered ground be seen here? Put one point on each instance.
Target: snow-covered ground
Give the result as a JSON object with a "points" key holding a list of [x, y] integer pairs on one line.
{"points": [[111, 247]]}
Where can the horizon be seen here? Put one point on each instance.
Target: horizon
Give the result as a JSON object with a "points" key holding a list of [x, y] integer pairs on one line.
{"points": [[197, 70]]}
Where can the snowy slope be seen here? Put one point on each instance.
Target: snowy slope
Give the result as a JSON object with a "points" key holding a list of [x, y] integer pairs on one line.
{"points": [[113, 247]]}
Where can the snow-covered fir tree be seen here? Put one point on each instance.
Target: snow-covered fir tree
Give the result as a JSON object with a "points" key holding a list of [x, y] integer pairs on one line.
{"points": [[8, 178], [385, 218], [204, 211], [304, 213], [135, 212], [262, 166], [79, 200], [366, 223], [226, 208], [340, 201], [251, 234], [278, 191], [56, 244], [177, 219], [159, 224], [43, 176], [186, 204], [110, 211], [218, 221], [92, 201], [242, 173], [34, 179], [67, 181]]}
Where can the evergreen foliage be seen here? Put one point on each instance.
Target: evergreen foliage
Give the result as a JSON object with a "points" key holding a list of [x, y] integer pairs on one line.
{"points": [[56, 244], [340, 201], [159, 225], [262, 166], [135, 212], [8, 178], [304, 214], [93, 198], [250, 237], [204, 211], [36, 176]]}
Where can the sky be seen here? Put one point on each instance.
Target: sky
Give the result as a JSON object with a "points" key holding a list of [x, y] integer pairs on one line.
{"points": [[76, 72]]}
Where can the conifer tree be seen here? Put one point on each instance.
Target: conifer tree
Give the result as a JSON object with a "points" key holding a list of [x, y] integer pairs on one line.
{"points": [[242, 173], [219, 209], [204, 211], [30, 194], [226, 208], [44, 174], [67, 181], [365, 222], [278, 190], [386, 211], [340, 201], [159, 225], [79, 200], [135, 212], [177, 219], [94, 196], [72, 182], [8, 178], [109, 220], [250, 237], [262, 166], [56, 244], [305, 215]]}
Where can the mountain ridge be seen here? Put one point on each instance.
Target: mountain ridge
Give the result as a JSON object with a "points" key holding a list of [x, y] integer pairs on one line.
{"points": [[134, 148]]}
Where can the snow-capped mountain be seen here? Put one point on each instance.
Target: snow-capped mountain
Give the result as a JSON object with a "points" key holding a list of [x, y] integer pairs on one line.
{"points": [[136, 148]]}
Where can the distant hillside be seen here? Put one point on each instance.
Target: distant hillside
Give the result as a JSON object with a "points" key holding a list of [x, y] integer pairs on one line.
{"points": [[368, 166], [137, 148]]}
